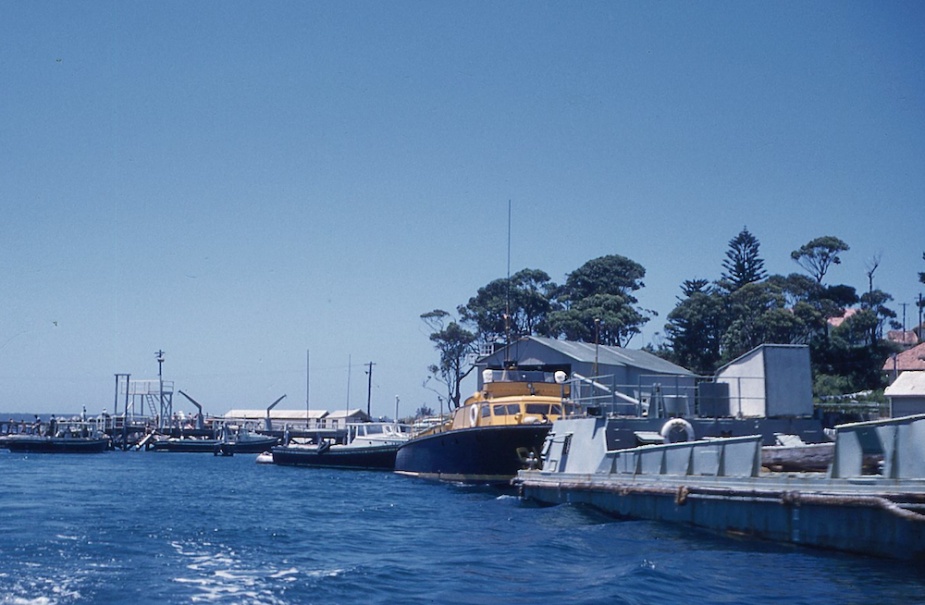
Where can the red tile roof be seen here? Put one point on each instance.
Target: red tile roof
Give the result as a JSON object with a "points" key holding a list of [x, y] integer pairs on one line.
{"points": [[910, 359]]}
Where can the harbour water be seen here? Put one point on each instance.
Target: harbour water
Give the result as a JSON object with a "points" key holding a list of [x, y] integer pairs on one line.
{"points": [[138, 528]]}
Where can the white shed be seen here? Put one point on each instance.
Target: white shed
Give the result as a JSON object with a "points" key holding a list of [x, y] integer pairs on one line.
{"points": [[770, 381], [907, 394]]}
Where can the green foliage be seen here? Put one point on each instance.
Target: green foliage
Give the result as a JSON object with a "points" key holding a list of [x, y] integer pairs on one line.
{"points": [[713, 322], [613, 274], [829, 385], [817, 256], [510, 308], [596, 303], [605, 318], [742, 264], [922, 275], [695, 328], [758, 315], [454, 344]]}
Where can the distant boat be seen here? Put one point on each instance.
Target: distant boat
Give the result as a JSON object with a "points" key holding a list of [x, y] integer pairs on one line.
{"points": [[369, 446], [186, 444], [494, 434], [61, 437], [231, 441]]}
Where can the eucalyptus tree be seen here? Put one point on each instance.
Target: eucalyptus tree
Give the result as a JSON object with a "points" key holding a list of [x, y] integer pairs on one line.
{"points": [[454, 344], [818, 255], [742, 264], [507, 309], [758, 315], [596, 303]]}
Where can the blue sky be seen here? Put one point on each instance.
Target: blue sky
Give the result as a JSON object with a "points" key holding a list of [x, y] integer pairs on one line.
{"points": [[237, 183]]}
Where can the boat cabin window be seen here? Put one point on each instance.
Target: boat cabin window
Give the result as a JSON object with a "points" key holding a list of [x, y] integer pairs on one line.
{"points": [[486, 410], [507, 410], [540, 408]]}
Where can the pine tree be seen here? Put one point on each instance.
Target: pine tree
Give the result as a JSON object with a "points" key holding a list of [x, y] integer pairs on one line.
{"points": [[743, 265]]}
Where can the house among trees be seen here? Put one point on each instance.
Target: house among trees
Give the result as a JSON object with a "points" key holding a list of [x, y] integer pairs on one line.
{"points": [[910, 360]]}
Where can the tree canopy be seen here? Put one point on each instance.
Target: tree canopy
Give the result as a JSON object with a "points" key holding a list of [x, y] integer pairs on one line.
{"points": [[596, 303], [817, 256], [454, 344], [712, 323], [742, 264]]}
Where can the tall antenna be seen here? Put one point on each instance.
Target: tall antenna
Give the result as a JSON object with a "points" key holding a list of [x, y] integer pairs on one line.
{"points": [[307, 366], [507, 297], [509, 240]]}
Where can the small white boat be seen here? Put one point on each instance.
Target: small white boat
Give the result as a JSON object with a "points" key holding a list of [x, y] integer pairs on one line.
{"points": [[369, 445]]}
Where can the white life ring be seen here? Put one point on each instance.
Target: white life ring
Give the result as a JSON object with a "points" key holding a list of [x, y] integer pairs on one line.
{"points": [[474, 415], [671, 431]]}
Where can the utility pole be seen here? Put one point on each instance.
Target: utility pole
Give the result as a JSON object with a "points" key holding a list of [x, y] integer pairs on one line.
{"points": [[921, 307], [369, 389], [160, 379]]}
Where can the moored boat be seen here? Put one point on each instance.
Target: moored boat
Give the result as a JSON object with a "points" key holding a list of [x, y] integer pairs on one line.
{"points": [[367, 445], [186, 445], [495, 433], [230, 440], [61, 437]]}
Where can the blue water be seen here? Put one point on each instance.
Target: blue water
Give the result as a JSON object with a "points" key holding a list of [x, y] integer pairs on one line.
{"points": [[143, 527]]}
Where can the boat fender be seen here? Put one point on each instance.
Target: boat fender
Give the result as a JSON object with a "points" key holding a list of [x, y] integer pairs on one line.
{"points": [[474, 415], [671, 431]]}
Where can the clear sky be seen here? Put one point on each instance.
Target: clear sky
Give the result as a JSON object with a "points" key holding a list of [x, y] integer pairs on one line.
{"points": [[240, 183]]}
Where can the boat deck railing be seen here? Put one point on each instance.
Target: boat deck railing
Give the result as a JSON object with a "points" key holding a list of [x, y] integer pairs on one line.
{"points": [[900, 442], [664, 396], [730, 457]]}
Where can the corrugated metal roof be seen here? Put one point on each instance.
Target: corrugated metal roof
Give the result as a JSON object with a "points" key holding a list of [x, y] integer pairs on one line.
{"points": [[613, 356]]}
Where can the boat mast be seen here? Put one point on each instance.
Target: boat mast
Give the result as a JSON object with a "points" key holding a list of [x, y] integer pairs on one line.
{"points": [[307, 407]]}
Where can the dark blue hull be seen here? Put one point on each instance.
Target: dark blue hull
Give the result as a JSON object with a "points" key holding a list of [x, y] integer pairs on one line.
{"points": [[54, 445], [491, 454], [360, 458]]}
